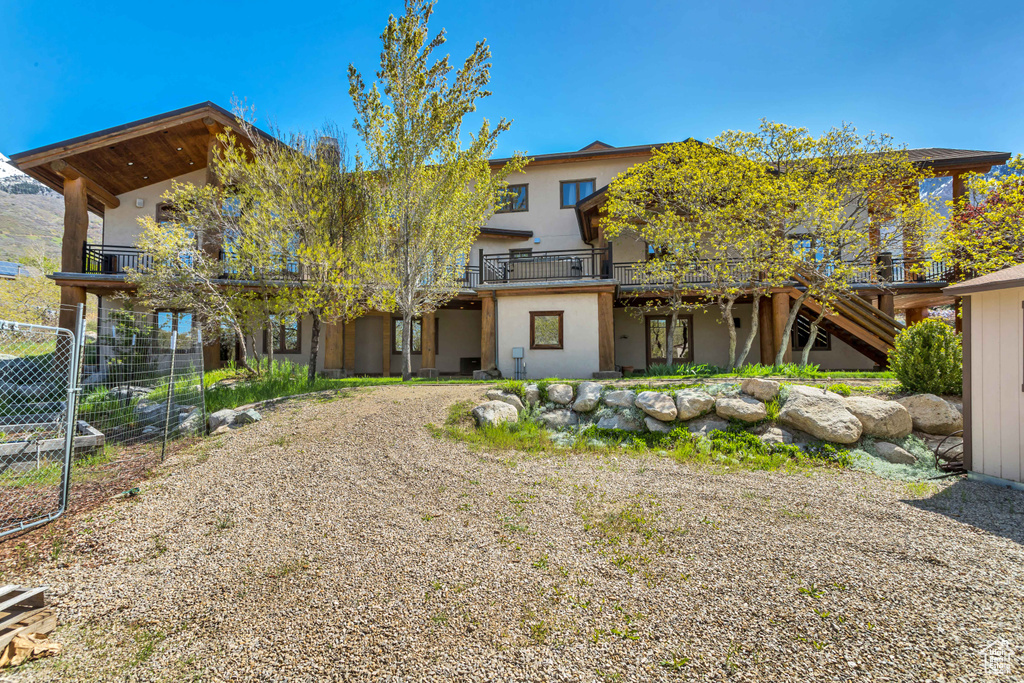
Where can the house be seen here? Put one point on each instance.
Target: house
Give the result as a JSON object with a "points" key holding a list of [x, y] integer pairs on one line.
{"points": [[993, 339], [543, 282]]}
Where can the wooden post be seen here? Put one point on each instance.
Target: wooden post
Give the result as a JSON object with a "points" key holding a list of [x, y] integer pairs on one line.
{"points": [[349, 354], [915, 315], [487, 333], [605, 332], [429, 359], [886, 304], [780, 313], [958, 325], [76, 229], [386, 344], [332, 335], [70, 297], [766, 330]]}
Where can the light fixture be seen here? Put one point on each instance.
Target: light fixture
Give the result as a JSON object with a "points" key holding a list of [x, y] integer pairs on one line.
{"points": [[191, 162], [140, 202], [145, 177], [131, 163], [179, 149]]}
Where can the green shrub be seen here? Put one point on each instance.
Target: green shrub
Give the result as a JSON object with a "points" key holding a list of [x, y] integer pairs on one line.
{"points": [[928, 358], [840, 388]]}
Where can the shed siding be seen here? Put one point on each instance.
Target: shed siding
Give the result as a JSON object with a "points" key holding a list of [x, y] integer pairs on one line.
{"points": [[997, 364]]}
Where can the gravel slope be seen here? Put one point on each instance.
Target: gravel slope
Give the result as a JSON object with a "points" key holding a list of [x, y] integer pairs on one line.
{"points": [[338, 540]]}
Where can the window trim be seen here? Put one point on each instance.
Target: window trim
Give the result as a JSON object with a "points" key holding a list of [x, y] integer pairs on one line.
{"points": [[561, 192], [176, 314], [561, 329], [395, 351], [682, 317], [280, 348], [526, 202]]}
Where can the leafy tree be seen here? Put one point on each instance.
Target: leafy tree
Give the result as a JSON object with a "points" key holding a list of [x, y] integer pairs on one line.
{"points": [[426, 194], [32, 298], [928, 357]]}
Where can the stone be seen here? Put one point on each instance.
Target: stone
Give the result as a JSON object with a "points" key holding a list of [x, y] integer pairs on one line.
{"points": [[221, 418], [223, 429], [761, 389], [493, 373], [247, 417], [623, 421], [880, 419], [894, 454], [532, 394], [493, 413], [559, 419], [151, 414], [189, 422], [743, 408], [657, 405], [560, 394], [822, 414], [691, 403], [506, 397], [657, 425], [933, 414], [588, 394], [776, 435], [620, 399], [707, 424]]}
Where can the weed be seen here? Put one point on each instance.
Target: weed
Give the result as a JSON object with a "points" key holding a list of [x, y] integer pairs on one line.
{"points": [[292, 566], [541, 563], [222, 523], [675, 662]]}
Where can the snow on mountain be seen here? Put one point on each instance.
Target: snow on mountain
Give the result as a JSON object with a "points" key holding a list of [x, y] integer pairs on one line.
{"points": [[6, 170]]}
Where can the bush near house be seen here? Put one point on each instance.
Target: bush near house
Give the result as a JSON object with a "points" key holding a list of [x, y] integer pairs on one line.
{"points": [[928, 358]]}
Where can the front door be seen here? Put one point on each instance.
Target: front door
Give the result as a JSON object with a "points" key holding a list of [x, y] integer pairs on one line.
{"points": [[682, 348]]}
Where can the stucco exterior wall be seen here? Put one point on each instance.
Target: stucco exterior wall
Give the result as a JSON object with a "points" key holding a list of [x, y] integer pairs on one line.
{"points": [[121, 225], [996, 379], [578, 357]]}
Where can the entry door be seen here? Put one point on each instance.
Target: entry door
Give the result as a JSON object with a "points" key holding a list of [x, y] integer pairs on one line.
{"points": [[682, 348]]}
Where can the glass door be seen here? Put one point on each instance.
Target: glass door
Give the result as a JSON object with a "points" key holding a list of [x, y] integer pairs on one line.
{"points": [[682, 346]]}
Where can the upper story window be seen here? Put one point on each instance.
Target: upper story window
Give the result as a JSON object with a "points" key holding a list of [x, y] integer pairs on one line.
{"points": [[517, 199], [575, 190]]}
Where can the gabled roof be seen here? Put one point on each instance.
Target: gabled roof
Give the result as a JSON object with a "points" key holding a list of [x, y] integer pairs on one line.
{"points": [[941, 157], [595, 150], [1001, 279]]}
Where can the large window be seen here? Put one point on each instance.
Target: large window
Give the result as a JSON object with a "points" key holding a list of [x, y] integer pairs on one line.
{"points": [[285, 336], [658, 348], [170, 321], [802, 333], [545, 329], [574, 190], [397, 329], [517, 199]]}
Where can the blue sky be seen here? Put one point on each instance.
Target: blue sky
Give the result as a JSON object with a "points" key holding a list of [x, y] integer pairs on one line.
{"points": [[932, 74]]}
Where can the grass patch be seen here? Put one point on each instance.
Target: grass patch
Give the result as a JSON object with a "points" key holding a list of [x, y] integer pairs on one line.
{"points": [[788, 370]]}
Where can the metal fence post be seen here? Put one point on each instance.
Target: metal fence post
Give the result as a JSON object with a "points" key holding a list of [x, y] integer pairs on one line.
{"points": [[74, 359], [202, 380], [170, 394]]}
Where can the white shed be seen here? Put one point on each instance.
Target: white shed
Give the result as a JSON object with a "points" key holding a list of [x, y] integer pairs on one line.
{"points": [[993, 339]]}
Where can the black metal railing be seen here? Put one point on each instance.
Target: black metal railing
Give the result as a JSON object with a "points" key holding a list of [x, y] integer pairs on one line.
{"points": [[541, 266], [633, 274], [471, 277], [109, 259]]}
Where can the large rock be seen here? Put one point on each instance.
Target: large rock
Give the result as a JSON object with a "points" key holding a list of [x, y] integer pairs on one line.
{"points": [[933, 414], [880, 419], [821, 414], [894, 454], [707, 424], [742, 408], [505, 397], [587, 397], [657, 405], [620, 399], [657, 426], [560, 394], [761, 389], [532, 394], [691, 403], [494, 413], [623, 421], [248, 417], [776, 435], [222, 418], [559, 419]]}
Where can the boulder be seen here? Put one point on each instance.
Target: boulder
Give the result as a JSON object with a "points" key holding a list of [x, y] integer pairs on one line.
{"points": [[247, 417], [532, 394], [151, 414], [706, 425], [223, 429], [933, 414], [878, 418], [222, 418], [761, 389], [657, 425], [742, 408], [657, 405], [691, 403], [505, 397], [495, 413], [559, 419], [560, 394], [776, 435], [624, 421], [894, 454], [587, 397], [620, 399], [821, 414]]}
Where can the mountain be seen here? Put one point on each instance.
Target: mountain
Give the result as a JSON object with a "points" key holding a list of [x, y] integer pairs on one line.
{"points": [[32, 217]]}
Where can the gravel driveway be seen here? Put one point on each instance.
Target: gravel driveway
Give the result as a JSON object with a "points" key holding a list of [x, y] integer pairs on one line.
{"points": [[338, 540]]}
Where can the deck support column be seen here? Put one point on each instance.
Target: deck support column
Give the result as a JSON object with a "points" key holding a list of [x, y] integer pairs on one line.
{"points": [[915, 315], [766, 330], [348, 342], [428, 363], [76, 230], [886, 304], [487, 360], [780, 314]]}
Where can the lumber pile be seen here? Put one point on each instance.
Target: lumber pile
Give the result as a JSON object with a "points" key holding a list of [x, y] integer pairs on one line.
{"points": [[25, 625]]}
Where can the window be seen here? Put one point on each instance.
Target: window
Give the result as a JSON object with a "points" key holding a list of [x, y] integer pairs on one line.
{"points": [[516, 199], [657, 332], [417, 335], [802, 332], [169, 321], [520, 253], [575, 190], [545, 329], [285, 336]]}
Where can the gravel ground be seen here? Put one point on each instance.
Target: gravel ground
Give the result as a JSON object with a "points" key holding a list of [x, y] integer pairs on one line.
{"points": [[339, 540]]}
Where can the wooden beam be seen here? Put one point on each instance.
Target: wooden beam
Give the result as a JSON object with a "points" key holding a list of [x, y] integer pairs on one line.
{"points": [[885, 304], [349, 354], [853, 328], [605, 332], [766, 330], [69, 172], [915, 315], [780, 313], [487, 334], [429, 358], [76, 224], [70, 297]]}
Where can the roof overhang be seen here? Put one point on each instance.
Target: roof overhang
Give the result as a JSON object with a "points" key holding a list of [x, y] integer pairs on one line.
{"points": [[506, 234]]}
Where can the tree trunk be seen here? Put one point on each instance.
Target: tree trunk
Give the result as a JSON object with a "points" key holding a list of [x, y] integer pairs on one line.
{"points": [[793, 312], [670, 339], [407, 346], [726, 307], [243, 355], [314, 347], [805, 359], [754, 320]]}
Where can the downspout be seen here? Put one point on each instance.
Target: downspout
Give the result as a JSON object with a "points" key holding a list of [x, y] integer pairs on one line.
{"points": [[494, 297]]}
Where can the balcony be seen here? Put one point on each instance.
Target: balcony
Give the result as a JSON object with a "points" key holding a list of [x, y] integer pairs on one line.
{"points": [[546, 266], [109, 259]]}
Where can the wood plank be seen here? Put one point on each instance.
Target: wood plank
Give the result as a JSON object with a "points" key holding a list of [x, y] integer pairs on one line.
{"points": [[427, 338], [850, 326], [26, 597], [332, 346], [605, 332], [69, 172], [349, 353], [24, 616]]}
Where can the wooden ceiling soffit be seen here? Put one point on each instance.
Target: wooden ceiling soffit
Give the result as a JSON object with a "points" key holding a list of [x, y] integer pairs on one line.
{"points": [[69, 172]]}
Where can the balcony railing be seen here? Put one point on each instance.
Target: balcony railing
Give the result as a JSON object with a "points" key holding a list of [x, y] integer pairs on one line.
{"points": [[109, 259], [544, 266], [471, 277]]}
